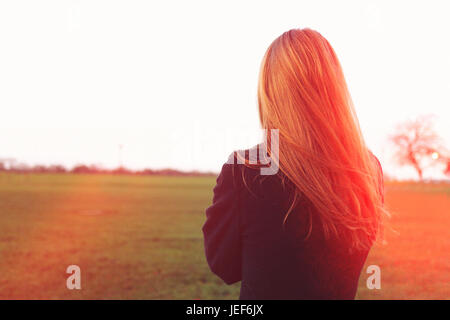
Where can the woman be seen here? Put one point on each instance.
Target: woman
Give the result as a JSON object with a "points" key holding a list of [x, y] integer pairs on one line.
{"points": [[304, 232]]}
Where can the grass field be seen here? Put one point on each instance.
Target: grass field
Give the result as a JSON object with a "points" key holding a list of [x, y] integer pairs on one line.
{"points": [[140, 238]]}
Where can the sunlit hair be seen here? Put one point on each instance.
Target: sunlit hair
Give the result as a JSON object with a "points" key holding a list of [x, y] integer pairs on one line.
{"points": [[303, 93]]}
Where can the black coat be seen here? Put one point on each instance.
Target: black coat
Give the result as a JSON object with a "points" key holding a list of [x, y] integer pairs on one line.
{"points": [[245, 240]]}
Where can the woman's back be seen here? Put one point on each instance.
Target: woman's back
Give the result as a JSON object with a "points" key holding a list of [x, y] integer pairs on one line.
{"points": [[246, 239]]}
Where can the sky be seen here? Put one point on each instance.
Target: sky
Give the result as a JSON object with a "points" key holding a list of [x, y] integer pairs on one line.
{"points": [[174, 82]]}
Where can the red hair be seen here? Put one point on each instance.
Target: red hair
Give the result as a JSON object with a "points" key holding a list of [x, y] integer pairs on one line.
{"points": [[302, 92]]}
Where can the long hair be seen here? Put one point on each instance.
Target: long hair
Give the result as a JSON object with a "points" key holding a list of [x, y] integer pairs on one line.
{"points": [[302, 92]]}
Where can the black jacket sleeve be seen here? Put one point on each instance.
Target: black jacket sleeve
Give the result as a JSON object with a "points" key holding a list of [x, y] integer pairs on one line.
{"points": [[221, 230]]}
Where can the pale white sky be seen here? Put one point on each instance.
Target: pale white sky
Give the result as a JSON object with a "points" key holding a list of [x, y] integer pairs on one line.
{"points": [[175, 81]]}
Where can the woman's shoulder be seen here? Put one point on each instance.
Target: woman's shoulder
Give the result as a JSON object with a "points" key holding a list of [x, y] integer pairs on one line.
{"points": [[245, 169], [248, 161], [375, 160], [240, 163], [379, 174]]}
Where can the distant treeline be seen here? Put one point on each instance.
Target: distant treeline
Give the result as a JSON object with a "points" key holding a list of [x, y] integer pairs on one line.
{"points": [[85, 169]]}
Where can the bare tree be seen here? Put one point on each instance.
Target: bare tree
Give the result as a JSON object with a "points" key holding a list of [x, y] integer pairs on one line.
{"points": [[415, 143]]}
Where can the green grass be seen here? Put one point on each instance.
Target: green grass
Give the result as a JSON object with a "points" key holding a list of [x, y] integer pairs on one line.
{"points": [[148, 244]]}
